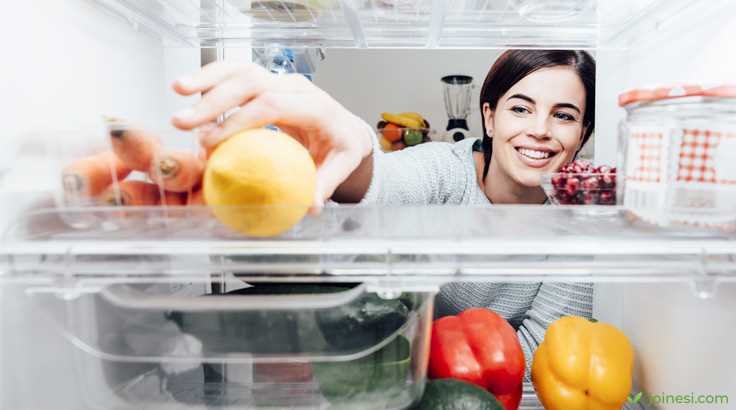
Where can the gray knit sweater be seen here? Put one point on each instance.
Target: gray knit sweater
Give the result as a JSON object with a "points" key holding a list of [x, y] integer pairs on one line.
{"points": [[444, 173]]}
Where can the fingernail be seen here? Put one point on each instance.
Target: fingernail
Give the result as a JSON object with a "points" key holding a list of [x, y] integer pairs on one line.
{"points": [[184, 114], [314, 211], [317, 205]]}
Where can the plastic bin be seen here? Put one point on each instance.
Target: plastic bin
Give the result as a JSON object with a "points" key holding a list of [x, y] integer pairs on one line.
{"points": [[160, 343]]}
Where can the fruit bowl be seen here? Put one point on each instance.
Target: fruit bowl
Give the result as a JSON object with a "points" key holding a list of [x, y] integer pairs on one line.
{"points": [[581, 184]]}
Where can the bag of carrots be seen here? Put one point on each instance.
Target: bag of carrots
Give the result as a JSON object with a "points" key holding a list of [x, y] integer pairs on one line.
{"points": [[173, 176]]}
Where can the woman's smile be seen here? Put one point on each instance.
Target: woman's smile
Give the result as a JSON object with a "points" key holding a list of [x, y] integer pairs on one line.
{"points": [[535, 156]]}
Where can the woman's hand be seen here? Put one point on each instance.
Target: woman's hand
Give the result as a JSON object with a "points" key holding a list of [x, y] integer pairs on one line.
{"points": [[338, 140]]}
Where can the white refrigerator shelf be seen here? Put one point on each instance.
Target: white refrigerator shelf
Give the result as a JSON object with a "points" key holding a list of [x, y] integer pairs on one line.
{"points": [[408, 246]]}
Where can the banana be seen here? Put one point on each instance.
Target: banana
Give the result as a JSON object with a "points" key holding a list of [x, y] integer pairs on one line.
{"points": [[414, 115], [402, 120]]}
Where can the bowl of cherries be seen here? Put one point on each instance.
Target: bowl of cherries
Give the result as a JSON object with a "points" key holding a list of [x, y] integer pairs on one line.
{"points": [[581, 183]]}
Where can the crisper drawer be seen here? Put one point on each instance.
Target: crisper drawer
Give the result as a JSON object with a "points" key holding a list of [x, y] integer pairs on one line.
{"points": [[159, 344]]}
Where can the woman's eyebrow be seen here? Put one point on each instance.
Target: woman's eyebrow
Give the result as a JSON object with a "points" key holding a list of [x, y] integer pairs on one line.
{"points": [[523, 97], [568, 105], [558, 105]]}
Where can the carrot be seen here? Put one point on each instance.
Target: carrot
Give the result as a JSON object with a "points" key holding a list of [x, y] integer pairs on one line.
{"points": [[91, 175], [132, 193], [176, 170], [174, 199], [135, 147], [196, 198]]}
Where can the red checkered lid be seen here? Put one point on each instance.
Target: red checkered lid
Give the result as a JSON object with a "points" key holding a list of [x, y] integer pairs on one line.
{"points": [[640, 95]]}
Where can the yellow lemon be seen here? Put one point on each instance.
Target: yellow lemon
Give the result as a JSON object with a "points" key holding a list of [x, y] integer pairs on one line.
{"points": [[260, 182]]}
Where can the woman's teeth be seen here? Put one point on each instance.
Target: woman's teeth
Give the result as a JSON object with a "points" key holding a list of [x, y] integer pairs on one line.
{"points": [[534, 154]]}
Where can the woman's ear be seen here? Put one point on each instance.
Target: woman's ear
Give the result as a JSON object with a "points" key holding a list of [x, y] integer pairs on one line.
{"points": [[488, 119]]}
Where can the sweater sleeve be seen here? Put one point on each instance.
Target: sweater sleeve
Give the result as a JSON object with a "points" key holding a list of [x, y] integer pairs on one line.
{"points": [[421, 175], [553, 301]]}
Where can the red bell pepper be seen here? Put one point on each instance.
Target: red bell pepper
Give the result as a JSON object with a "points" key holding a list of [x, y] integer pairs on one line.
{"points": [[480, 347]]}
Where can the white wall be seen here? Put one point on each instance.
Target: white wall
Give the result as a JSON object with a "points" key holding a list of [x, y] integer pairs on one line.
{"points": [[369, 82]]}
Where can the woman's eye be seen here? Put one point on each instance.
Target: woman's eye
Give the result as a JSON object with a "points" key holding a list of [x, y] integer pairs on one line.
{"points": [[519, 109], [564, 116]]}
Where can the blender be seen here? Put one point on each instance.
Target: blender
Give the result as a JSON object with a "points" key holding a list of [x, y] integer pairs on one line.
{"points": [[457, 92]]}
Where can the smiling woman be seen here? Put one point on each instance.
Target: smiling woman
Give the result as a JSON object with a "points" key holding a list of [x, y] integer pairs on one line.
{"points": [[538, 111]]}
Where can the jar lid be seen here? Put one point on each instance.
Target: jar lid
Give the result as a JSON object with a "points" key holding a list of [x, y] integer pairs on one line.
{"points": [[640, 95]]}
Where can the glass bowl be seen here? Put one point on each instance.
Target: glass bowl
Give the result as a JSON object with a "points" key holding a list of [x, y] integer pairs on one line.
{"points": [[584, 188]]}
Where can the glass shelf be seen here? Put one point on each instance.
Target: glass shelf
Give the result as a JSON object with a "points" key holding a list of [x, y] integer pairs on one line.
{"points": [[387, 247]]}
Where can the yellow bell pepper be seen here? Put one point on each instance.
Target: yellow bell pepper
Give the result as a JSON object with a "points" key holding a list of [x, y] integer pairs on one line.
{"points": [[583, 365]]}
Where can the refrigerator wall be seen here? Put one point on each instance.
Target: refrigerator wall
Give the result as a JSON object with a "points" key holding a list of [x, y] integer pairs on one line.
{"points": [[679, 330], [65, 63]]}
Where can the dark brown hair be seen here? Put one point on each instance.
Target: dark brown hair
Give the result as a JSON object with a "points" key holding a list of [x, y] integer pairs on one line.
{"points": [[513, 65]]}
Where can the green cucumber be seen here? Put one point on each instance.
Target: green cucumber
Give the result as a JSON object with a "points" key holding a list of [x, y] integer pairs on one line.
{"points": [[372, 379], [363, 323], [353, 327]]}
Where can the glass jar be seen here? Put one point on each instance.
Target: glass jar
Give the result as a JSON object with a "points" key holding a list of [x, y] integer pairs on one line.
{"points": [[678, 157]]}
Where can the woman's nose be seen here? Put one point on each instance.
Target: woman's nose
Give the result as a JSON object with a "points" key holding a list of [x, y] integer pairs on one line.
{"points": [[539, 128]]}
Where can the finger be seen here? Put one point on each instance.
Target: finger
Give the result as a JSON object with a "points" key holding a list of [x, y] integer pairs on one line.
{"points": [[229, 94], [333, 172], [202, 134], [209, 76], [255, 114]]}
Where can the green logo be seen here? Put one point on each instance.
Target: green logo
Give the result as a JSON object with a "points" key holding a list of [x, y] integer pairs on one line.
{"points": [[689, 399], [636, 398]]}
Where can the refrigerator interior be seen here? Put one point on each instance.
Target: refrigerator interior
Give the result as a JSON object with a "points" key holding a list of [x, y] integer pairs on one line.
{"points": [[674, 297]]}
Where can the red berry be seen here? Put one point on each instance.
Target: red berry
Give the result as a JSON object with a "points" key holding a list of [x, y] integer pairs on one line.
{"points": [[590, 183], [607, 198], [558, 181], [590, 198], [579, 198], [572, 186], [560, 196], [608, 180]]}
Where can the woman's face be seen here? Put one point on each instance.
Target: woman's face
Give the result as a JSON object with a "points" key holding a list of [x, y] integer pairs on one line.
{"points": [[537, 125]]}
